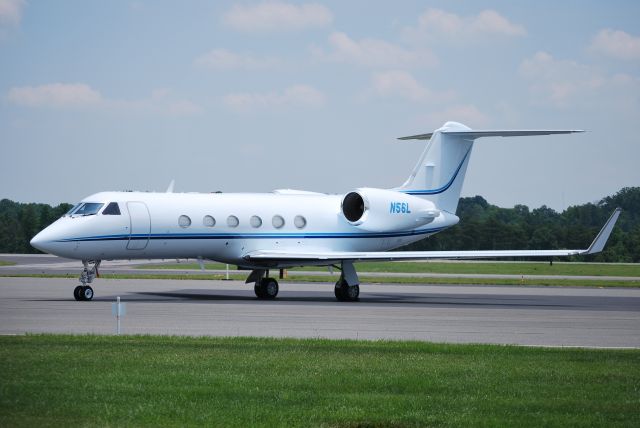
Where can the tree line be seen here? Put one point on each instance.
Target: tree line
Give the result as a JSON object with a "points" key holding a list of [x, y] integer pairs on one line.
{"points": [[21, 222], [482, 227], [487, 227]]}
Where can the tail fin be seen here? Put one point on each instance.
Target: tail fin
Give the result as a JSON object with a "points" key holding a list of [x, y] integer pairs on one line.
{"points": [[440, 171]]}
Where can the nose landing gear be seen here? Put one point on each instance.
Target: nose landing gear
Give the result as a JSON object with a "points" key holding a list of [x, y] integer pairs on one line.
{"points": [[89, 273]]}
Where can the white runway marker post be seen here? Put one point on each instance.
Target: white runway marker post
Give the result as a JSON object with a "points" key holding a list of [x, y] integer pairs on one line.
{"points": [[118, 310]]}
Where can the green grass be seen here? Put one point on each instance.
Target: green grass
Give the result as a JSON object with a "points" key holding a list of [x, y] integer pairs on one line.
{"points": [[51, 380], [6, 263], [524, 268], [293, 277]]}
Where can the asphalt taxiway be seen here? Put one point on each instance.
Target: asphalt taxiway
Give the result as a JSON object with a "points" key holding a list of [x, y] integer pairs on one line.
{"points": [[544, 316]]}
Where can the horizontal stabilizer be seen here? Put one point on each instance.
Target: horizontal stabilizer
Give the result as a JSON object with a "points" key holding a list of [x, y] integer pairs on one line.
{"points": [[473, 134], [328, 257]]}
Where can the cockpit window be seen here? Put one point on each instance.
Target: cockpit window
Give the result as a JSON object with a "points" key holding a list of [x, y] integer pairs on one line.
{"points": [[87, 208], [112, 209], [75, 207]]}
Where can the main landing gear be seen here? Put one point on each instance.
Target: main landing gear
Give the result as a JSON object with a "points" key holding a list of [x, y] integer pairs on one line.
{"points": [[345, 292], [265, 288], [89, 273], [347, 289]]}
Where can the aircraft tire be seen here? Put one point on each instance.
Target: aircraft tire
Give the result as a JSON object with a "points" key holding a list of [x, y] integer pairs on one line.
{"points": [[87, 293], [352, 293], [271, 288], [259, 290], [266, 289], [77, 293], [338, 290], [346, 293]]}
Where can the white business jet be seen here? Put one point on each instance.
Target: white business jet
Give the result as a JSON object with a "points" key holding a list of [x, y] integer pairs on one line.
{"points": [[286, 228]]}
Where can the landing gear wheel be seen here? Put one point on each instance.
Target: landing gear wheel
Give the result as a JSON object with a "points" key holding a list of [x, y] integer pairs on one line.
{"points": [[259, 290], [87, 293], [77, 292], [266, 289], [346, 293]]}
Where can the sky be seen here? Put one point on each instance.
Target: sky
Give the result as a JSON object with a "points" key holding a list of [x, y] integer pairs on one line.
{"points": [[252, 96]]}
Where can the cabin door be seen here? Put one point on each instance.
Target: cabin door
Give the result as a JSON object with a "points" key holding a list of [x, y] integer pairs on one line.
{"points": [[140, 225]]}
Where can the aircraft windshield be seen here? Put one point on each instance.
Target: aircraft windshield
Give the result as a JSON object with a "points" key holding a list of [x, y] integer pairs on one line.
{"points": [[75, 207], [87, 208]]}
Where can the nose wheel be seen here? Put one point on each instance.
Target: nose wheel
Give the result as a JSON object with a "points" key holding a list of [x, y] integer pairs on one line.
{"points": [[83, 292]]}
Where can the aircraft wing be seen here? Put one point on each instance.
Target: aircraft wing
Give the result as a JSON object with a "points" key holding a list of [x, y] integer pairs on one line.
{"points": [[328, 257]]}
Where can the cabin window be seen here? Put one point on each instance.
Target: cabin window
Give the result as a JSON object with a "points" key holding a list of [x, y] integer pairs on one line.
{"points": [[112, 209], [255, 221], [209, 221], [300, 222], [277, 221], [88, 208], [232, 221], [184, 221]]}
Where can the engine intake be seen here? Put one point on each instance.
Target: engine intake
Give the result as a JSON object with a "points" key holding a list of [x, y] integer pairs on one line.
{"points": [[353, 206], [378, 210]]}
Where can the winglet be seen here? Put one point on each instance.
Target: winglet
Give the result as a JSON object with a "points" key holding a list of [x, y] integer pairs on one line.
{"points": [[171, 185], [601, 239]]}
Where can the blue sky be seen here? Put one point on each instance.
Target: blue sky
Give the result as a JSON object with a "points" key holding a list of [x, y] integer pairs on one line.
{"points": [[254, 96]]}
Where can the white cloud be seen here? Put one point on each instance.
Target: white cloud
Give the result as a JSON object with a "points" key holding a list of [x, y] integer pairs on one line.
{"points": [[82, 96], [557, 81], [55, 95], [402, 84], [616, 44], [561, 83], [375, 53], [222, 59], [277, 16], [437, 23], [399, 83], [11, 11], [293, 96]]}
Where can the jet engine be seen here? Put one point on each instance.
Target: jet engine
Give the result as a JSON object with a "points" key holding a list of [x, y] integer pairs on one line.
{"points": [[378, 210]]}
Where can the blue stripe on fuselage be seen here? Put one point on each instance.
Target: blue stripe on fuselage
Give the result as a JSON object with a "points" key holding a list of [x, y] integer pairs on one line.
{"points": [[319, 235]]}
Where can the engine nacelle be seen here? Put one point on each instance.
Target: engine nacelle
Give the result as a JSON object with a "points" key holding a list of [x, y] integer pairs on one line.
{"points": [[378, 210]]}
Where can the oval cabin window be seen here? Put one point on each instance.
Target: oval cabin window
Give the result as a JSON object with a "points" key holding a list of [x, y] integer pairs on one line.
{"points": [[300, 222], [209, 221], [184, 221], [232, 221], [255, 221], [277, 221]]}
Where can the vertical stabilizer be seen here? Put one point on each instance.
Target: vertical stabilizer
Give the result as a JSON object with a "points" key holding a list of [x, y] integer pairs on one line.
{"points": [[440, 171]]}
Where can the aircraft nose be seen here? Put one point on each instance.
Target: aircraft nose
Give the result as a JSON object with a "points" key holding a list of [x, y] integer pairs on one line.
{"points": [[37, 242], [42, 241]]}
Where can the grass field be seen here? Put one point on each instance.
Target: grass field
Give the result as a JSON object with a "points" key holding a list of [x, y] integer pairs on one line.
{"points": [[6, 263], [531, 268], [163, 381], [295, 277]]}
